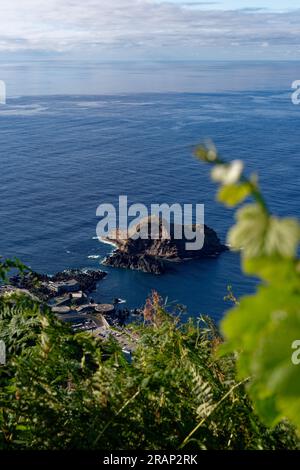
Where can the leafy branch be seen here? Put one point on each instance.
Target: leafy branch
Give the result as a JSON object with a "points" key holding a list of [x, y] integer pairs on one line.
{"points": [[262, 328]]}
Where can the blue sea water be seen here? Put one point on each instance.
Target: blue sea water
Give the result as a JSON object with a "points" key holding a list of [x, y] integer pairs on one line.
{"points": [[63, 154]]}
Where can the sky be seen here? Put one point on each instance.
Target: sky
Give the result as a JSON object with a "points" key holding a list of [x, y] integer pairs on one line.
{"points": [[278, 5], [108, 30]]}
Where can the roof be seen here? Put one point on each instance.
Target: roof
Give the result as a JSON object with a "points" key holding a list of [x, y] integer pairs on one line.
{"points": [[73, 317], [104, 308], [61, 310], [86, 308]]}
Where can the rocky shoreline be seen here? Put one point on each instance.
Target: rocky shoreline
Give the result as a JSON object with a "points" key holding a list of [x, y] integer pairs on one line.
{"points": [[138, 262], [67, 294], [151, 255], [46, 287]]}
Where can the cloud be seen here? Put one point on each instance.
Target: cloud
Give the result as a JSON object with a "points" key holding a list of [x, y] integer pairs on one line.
{"points": [[70, 25]]}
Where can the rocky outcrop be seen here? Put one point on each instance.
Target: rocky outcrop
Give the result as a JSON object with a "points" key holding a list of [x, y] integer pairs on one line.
{"points": [[87, 279], [138, 262], [149, 254]]}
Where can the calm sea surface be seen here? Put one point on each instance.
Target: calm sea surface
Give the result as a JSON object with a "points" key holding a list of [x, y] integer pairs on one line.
{"points": [[73, 137]]}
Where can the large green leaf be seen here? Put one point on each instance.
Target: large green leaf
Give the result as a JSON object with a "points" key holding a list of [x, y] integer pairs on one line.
{"points": [[258, 234], [233, 194], [262, 329]]}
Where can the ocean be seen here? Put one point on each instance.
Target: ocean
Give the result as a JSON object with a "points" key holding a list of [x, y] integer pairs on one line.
{"points": [[73, 137]]}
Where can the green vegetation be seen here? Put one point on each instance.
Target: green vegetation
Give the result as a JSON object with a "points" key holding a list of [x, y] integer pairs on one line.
{"points": [[64, 391], [184, 386]]}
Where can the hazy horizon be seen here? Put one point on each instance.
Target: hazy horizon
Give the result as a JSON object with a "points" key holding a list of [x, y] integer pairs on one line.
{"points": [[102, 78]]}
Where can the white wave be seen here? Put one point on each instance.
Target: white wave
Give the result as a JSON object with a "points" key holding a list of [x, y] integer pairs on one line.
{"points": [[94, 256], [101, 103], [138, 103], [22, 110], [107, 242], [91, 104]]}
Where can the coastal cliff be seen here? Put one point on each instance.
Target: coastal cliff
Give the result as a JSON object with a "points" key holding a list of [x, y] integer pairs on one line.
{"points": [[151, 254]]}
